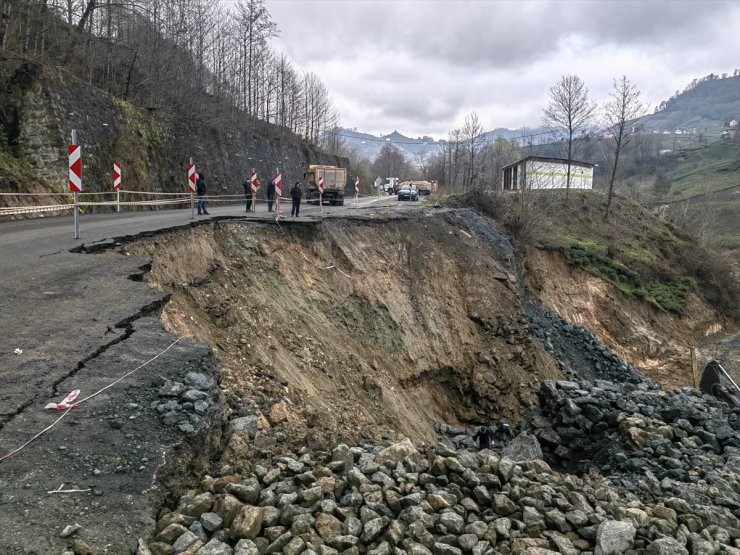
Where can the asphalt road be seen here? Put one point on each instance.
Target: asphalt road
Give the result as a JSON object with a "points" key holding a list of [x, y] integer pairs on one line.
{"points": [[79, 321]]}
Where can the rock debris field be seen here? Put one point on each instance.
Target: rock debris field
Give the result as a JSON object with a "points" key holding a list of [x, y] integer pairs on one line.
{"points": [[659, 476], [672, 488]]}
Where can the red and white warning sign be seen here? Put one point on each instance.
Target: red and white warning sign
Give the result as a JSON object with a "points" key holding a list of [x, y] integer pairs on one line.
{"points": [[116, 175], [191, 177], [321, 185], [357, 185], [253, 181], [75, 168], [278, 183]]}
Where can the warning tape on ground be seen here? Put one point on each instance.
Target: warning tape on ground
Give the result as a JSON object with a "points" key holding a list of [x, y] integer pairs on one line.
{"points": [[68, 403]]}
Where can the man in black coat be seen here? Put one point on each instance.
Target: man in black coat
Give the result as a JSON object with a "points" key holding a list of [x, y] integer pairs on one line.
{"points": [[200, 188], [248, 193], [270, 194], [484, 436], [296, 193]]}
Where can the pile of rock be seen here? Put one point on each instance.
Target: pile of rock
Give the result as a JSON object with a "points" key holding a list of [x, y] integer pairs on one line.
{"points": [[438, 501], [663, 443], [579, 352], [184, 404]]}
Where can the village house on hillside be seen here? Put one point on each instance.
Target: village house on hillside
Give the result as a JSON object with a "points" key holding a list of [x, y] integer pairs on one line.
{"points": [[537, 172]]}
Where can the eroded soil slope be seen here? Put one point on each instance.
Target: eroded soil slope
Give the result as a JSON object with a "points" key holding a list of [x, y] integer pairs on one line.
{"points": [[655, 341], [364, 327]]}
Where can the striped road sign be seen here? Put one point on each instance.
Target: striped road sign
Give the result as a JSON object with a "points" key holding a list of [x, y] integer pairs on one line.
{"points": [[116, 175], [75, 168], [278, 183], [253, 180], [191, 177]]}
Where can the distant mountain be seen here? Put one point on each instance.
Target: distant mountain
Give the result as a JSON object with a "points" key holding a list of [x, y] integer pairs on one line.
{"points": [[707, 105], [368, 146]]}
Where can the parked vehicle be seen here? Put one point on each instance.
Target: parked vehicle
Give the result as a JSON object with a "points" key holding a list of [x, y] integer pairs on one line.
{"points": [[335, 181], [424, 187], [390, 185], [406, 192]]}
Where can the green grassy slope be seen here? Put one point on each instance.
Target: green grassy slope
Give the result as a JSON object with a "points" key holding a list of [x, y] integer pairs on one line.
{"points": [[645, 256]]}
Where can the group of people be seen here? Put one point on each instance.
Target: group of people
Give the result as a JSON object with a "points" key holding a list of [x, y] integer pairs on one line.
{"points": [[296, 193], [485, 435]]}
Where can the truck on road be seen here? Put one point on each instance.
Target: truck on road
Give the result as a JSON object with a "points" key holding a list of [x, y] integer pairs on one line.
{"points": [[335, 181], [391, 185]]}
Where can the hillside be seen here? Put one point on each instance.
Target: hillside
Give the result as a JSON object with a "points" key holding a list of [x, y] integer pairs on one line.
{"points": [[42, 105], [706, 106], [648, 289]]}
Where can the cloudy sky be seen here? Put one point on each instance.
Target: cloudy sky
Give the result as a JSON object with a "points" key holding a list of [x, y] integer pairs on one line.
{"points": [[419, 66]]}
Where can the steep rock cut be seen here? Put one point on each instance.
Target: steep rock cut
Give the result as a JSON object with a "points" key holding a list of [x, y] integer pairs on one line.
{"points": [[363, 328]]}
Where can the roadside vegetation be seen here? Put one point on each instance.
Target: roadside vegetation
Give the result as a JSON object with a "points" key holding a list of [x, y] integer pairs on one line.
{"points": [[642, 255]]}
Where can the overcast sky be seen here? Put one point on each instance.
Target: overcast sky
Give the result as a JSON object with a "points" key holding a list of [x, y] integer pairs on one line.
{"points": [[419, 66]]}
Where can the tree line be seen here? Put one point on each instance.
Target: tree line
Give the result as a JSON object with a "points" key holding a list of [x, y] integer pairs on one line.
{"points": [[470, 159], [197, 57]]}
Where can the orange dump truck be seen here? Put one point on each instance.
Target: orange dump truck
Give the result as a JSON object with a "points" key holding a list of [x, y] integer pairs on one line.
{"points": [[335, 181]]}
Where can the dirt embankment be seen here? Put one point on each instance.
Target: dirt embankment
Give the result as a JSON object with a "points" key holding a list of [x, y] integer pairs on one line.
{"points": [[363, 328], [657, 342]]}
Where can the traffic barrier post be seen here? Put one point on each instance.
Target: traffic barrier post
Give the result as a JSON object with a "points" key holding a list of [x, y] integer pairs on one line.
{"points": [[278, 191], [253, 187], [75, 178], [117, 184], [321, 193], [191, 186]]}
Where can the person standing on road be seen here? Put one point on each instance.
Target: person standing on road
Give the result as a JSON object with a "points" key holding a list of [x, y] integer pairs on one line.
{"points": [[296, 193], [248, 193], [270, 194], [201, 190]]}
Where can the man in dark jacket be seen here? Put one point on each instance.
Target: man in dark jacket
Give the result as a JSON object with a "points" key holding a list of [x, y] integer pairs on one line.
{"points": [[248, 193], [201, 190], [484, 436], [296, 193], [270, 194]]}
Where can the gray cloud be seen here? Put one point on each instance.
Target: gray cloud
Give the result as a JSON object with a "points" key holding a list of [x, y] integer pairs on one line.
{"points": [[420, 65]]}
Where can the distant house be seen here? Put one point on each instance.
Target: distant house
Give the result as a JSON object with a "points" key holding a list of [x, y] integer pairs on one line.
{"points": [[537, 172]]}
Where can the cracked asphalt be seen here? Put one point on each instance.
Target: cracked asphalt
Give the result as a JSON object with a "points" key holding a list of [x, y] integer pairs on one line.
{"points": [[83, 320], [81, 323]]}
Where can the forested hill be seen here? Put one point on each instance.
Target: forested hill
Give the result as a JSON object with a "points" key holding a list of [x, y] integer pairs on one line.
{"points": [[151, 83], [707, 105]]}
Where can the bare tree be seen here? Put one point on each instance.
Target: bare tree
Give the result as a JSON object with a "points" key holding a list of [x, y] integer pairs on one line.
{"points": [[568, 114], [498, 154], [391, 163], [472, 132], [624, 107], [454, 156]]}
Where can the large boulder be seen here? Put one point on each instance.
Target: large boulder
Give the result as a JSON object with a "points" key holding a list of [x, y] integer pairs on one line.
{"points": [[614, 537], [397, 452], [248, 522], [523, 447]]}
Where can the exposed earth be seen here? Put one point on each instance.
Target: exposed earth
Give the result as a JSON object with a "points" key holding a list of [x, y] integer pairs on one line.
{"points": [[394, 323]]}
